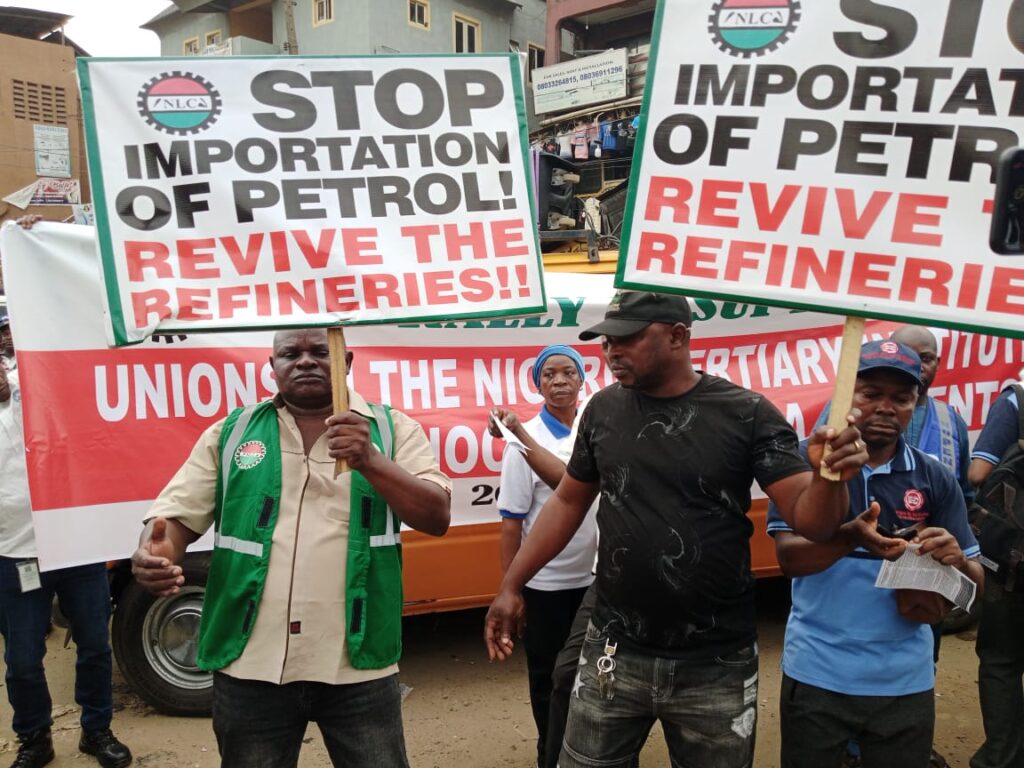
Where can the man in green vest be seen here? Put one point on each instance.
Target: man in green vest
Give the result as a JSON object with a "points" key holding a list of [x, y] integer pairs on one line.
{"points": [[302, 615]]}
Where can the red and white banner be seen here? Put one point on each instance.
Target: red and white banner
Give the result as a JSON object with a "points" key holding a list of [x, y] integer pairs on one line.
{"points": [[835, 156], [106, 428]]}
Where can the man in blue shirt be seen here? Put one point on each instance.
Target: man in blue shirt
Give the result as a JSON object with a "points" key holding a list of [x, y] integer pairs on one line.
{"points": [[853, 666], [935, 427], [1000, 645]]}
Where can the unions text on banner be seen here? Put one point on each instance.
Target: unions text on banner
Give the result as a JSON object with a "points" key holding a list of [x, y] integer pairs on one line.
{"points": [[832, 156], [266, 192]]}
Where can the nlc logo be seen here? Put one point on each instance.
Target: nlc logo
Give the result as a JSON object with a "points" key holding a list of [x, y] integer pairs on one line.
{"points": [[752, 27], [179, 102]]}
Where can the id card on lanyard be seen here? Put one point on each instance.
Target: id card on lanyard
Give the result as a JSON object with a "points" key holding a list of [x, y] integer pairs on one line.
{"points": [[28, 575]]}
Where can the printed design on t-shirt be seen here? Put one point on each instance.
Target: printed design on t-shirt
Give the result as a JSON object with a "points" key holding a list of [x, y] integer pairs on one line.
{"points": [[670, 422], [773, 452], [614, 570], [701, 622], [632, 624], [675, 565], [636, 625], [582, 449], [723, 501], [614, 486], [692, 629]]}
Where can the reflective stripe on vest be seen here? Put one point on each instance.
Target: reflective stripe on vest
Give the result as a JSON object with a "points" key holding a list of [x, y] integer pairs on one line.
{"points": [[241, 546], [947, 445], [390, 537], [231, 445], [253, 548]]}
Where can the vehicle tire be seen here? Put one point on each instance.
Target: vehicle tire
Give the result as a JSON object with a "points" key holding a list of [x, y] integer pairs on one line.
{"points": [[155, 642], [959, 620]]}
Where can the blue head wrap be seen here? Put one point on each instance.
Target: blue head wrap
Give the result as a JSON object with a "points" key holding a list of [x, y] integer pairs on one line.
{"points": [[556, 349]]}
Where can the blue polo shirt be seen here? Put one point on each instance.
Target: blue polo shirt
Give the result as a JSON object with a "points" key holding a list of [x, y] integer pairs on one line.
{"points": [[845, 634], [1001, 428]]}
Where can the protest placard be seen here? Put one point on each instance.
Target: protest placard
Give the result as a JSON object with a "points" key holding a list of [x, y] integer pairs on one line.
{"points": [[830, 156], [269, 192]]}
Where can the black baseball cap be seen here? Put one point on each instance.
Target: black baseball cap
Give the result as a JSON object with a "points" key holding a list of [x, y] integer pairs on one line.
{"points": [[5, 320], [892, 355], [632, 311]]}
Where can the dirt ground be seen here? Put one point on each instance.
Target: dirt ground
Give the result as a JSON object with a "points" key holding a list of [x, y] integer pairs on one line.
{"points": [[463, 711]]}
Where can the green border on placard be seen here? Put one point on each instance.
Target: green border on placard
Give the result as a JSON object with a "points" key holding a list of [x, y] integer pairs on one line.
{"points": [[112, 287], [524, 142], [641, 141], [1013, 333], [627, 232], [99, 202]]}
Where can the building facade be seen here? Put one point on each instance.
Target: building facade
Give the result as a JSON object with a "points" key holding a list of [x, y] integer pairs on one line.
{"points": [[40, 115], [318, 27], [575, 26]]}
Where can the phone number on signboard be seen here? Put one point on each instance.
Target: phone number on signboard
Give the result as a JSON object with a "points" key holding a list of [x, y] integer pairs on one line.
{"points": [[600, 73], [573, 79]]}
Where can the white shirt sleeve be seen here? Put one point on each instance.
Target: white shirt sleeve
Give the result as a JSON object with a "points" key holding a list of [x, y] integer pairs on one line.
{"points": [[515, 494]]}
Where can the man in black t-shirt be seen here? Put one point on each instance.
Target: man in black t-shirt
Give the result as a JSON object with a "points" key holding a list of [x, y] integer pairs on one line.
{"points": [[673, 453]]}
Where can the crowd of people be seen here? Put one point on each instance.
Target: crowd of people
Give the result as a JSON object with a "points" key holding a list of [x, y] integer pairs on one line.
{"points": [[624, 551]]}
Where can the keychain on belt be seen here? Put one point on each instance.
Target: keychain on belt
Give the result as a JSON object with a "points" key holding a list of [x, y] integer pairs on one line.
{"points": [[606, 670]]}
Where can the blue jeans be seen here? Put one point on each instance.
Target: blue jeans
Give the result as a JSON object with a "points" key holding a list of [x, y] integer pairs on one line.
{"points": [[261, 725], [707, 709], [84, 595]]}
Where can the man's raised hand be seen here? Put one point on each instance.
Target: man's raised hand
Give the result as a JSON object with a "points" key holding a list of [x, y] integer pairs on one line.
{"points": [[153, 563]]}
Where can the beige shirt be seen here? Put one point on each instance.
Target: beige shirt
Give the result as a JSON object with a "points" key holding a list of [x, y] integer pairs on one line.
{"points": [[306, 576]]}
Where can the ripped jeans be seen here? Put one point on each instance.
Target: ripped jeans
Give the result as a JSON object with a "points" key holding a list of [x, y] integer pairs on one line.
{"points": [[707, 709]]}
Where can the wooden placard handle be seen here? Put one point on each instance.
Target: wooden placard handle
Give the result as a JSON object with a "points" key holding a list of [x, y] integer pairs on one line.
{"points": [[339, 383], [846, 377]]}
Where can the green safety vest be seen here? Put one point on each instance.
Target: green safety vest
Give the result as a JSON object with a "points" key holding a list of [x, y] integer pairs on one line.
{"points": [[249, 493]]}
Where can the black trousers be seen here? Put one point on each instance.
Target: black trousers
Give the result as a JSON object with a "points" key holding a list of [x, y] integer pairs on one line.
{"points": [[1001, 655], [893, 731], [549, 617], [263, 725], [563, 677]]}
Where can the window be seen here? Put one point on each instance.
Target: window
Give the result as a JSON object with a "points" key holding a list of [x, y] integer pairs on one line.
{"points": [[467, 35], [419, 13], [323, 11], [213, 38], [191, 47], [536, 54], [39, 102]]}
